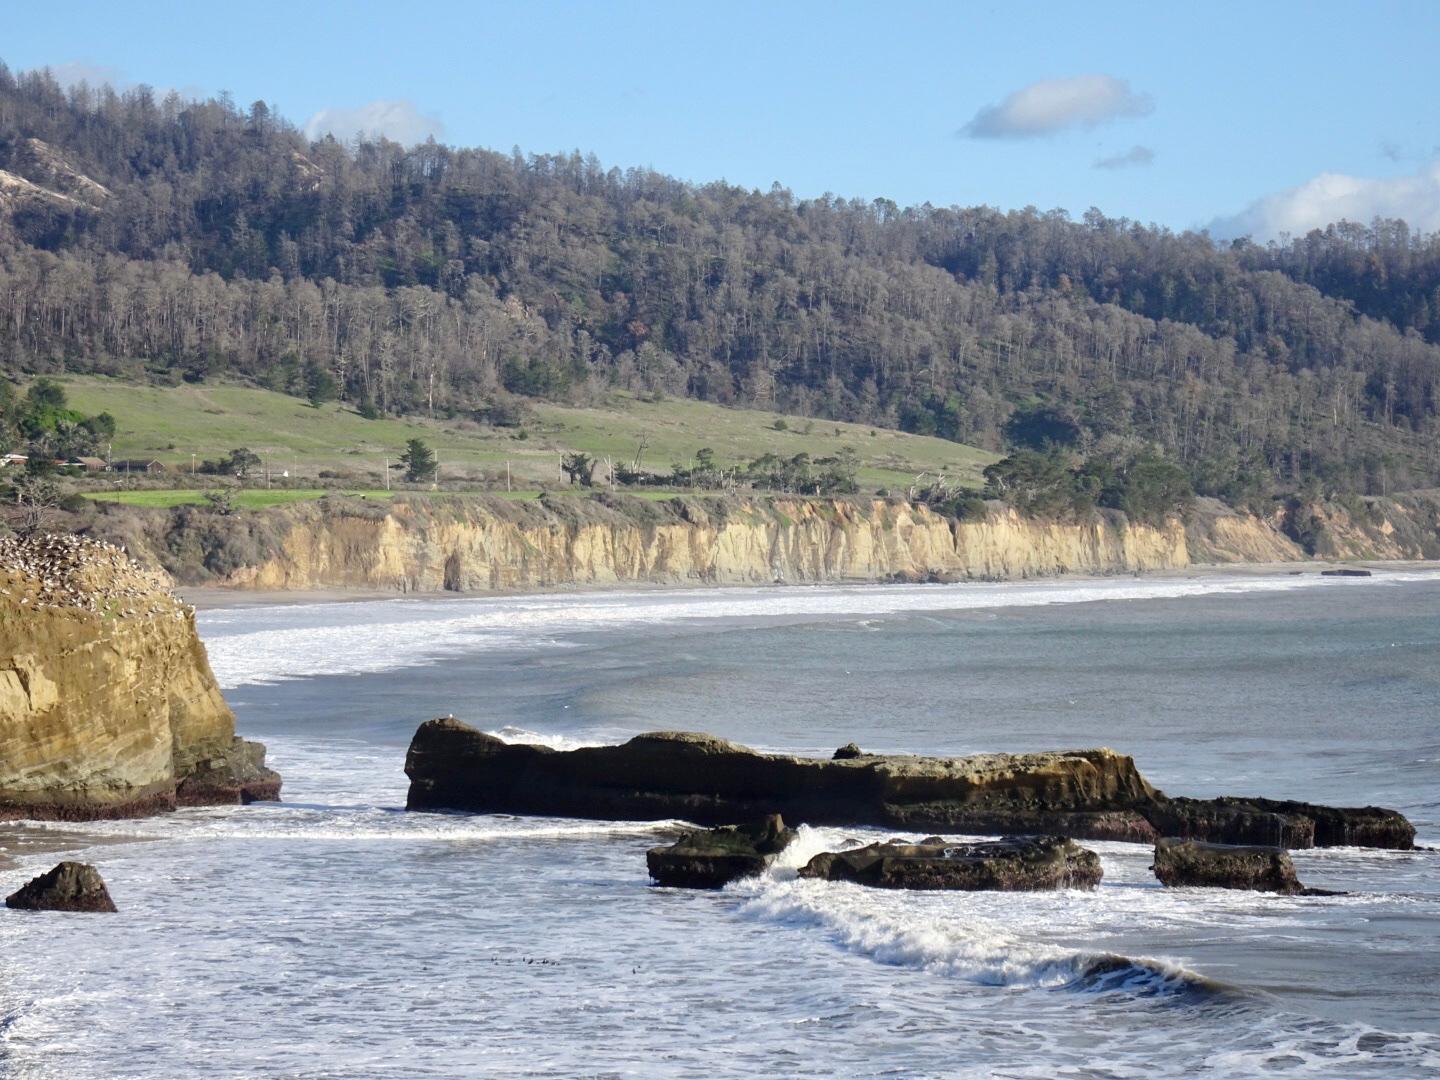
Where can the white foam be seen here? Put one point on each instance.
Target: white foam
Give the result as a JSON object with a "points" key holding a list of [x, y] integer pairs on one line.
{"points": [[524, 736], [257, 645], [368, 824], [967, 936]]}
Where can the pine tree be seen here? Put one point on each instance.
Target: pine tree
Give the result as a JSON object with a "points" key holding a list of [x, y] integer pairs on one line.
{"points": [[419, 462]]}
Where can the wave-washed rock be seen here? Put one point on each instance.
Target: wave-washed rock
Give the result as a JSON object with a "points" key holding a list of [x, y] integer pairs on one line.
{"points": [[1227, 866], [1014, 864], [1282, 823], [108, 707], [71, 886], [1088, 794], [710, 858]]}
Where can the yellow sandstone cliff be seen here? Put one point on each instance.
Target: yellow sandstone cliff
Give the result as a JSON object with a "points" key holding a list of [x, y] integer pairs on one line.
{"points": [[480, 543], [107, 703], [483, 545], [488, 544]]}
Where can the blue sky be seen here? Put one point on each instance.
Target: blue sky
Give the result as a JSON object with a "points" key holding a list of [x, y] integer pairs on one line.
{"points": [[1249, 117]]}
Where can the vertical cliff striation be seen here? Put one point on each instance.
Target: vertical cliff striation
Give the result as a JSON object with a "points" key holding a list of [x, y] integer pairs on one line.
{"points": [[479, 543], [108, 707]]}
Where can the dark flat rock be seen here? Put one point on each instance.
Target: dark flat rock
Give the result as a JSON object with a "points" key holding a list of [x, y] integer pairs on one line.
{"points": [[1014, 864], [1225, 866], [1281, 823], [1094, 794]]}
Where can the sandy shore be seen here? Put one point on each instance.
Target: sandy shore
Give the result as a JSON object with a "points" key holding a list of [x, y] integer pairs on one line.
{"points": [[209, 597], [19, 841]]}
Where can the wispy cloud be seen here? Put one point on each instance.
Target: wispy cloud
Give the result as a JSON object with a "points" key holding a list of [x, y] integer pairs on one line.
{"points": [[1332, 197], [1052, 105], [1136, 157], [71, 73], [397, 119], [74, 72]]}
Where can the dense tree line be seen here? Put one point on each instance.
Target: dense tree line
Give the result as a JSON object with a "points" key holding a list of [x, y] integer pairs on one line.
{"points": [[41, 426], [1384, 269], [221, 242]]}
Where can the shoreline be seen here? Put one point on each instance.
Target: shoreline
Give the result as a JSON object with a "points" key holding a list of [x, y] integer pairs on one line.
{"points": [[23, 837], [220, 597]]}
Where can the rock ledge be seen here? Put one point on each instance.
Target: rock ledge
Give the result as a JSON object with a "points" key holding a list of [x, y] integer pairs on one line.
{"points": [[1093, 794]]}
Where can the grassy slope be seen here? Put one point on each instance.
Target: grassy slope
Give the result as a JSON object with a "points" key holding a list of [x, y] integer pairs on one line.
{"points": [[169, 424]]}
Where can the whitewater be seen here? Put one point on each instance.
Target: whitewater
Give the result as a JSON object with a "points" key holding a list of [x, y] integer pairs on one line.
{"points": [[336, 935]]}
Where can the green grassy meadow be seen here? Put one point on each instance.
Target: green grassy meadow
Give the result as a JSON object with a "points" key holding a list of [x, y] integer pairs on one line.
{"points": [[185, 424]]}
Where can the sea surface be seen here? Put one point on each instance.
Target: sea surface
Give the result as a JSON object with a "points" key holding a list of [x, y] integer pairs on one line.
{"points": [[337, 936]]}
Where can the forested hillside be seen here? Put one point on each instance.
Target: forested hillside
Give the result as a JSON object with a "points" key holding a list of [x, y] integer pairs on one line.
{"points": [[200, 240]]}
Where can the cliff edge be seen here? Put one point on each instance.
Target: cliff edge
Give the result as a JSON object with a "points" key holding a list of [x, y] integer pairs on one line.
{"points": [[108, 707], [479, 543]]}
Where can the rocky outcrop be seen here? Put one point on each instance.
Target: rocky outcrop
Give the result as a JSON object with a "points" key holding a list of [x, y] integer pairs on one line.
{"points": [[1282, 823], [711, 858], [1088, 794], [108, 707], [232, 774], [1224, 866], [713, 782], [71, 886], [1015, 864]]}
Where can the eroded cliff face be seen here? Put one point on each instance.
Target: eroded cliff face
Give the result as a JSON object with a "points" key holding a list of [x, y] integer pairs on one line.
{"points": [[486, 544], [478, 543], [107, 703], [1397, 527]]}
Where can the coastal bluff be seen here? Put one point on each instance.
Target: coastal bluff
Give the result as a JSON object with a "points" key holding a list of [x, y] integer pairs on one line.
{"points": [[483, 543], [487, 543], [1094, 794], [108, 707]]}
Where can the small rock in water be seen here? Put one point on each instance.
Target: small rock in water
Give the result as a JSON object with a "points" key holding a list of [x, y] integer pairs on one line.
{"points": [[1345, 572], [1225, 866], [71, 886], [1014, 864], [846, 752], [710, 858]]}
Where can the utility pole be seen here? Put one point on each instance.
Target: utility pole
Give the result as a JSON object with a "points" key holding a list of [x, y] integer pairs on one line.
{"points": [[507, 474], [192, 462], [387, 473]]}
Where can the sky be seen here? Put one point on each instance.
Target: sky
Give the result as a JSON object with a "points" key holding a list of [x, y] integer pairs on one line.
{"points": [[1256, 118]]}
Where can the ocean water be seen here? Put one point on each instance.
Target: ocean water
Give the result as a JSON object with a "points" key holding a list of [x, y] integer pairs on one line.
{"points": [[337, 936]]}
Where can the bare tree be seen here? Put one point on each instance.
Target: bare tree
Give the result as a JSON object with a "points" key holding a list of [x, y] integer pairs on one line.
{"points": [[37, 499]]}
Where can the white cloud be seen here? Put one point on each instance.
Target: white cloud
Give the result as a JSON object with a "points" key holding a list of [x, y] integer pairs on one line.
{"points": [[1051, 105], [74, 72], [1135, 157], [1332, 197], [399, 120]]}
